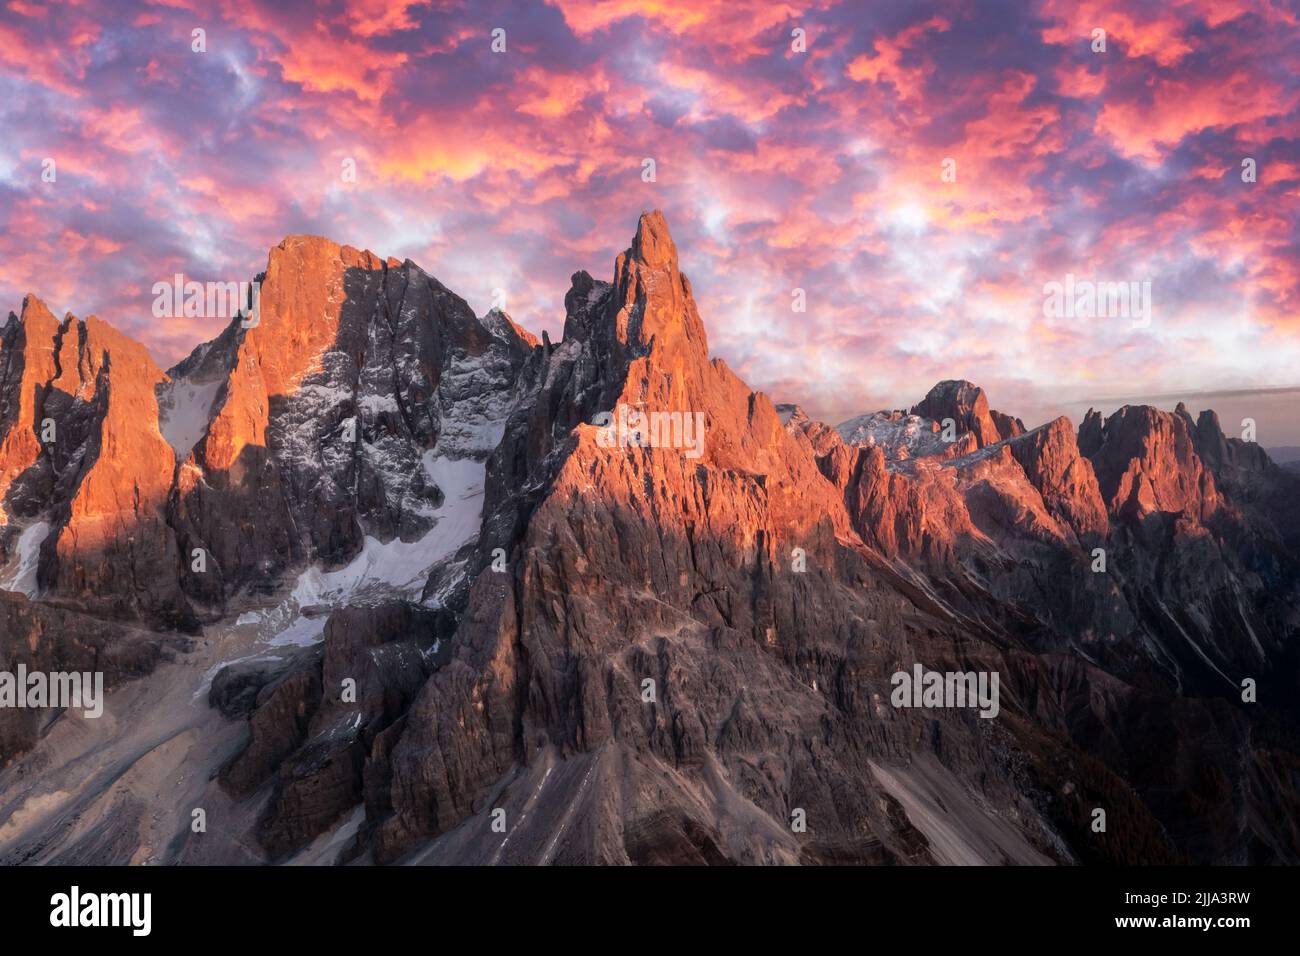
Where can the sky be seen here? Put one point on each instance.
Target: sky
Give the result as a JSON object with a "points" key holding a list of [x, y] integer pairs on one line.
{"points": [[921, 171]]}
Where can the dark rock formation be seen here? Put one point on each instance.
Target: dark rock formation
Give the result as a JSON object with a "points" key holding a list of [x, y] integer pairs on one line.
{"points": [[46, 639]]}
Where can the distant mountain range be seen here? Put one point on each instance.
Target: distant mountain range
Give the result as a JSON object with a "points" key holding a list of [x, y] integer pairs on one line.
{"points": [[378, 580]]}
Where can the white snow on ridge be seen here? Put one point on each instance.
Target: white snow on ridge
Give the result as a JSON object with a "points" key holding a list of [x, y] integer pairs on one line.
{"points": [[898, 434], [23, 578]]}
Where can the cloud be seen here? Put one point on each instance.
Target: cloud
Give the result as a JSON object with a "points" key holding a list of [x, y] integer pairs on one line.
{"points": [[778, 169]]}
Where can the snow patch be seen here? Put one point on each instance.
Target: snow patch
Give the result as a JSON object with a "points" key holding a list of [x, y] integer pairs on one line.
{"points": [[377, 404], [23, 578], [395, 568], [184, 410], [898, 434], [303, 632]]}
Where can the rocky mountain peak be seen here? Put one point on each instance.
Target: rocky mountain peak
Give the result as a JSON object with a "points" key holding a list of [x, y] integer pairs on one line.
{"points": [[1091, 432], [307, 281], [498, 322], [27, 365], [1051, 459], [652, 299], [35, 313], [84, 471], [653, 245], [1211, 444], [1147, 462], [968, 406]]}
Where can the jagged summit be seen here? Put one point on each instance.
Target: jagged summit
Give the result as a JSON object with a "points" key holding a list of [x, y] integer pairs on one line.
{"points": [[653, 244], [652, 298], [381, 486], [968, 406], [282, 442], [34, 309], [498, 322]]}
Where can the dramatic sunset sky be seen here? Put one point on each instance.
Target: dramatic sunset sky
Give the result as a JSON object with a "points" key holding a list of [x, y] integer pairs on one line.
{"points": [[776, 169]]}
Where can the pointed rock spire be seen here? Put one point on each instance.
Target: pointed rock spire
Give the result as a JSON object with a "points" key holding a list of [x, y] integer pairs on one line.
{"points": [[1051, 459], [653, 245], [27, 366], [35, 312], [653, 298], [1210, 442], [1091, 433], [499, 323]]}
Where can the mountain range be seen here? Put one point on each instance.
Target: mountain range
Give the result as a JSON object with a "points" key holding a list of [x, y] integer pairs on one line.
{"points": [[372, 580]]}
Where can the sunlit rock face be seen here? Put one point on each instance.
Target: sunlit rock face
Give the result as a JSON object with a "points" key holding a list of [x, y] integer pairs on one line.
{"points": [[442, 577]]}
